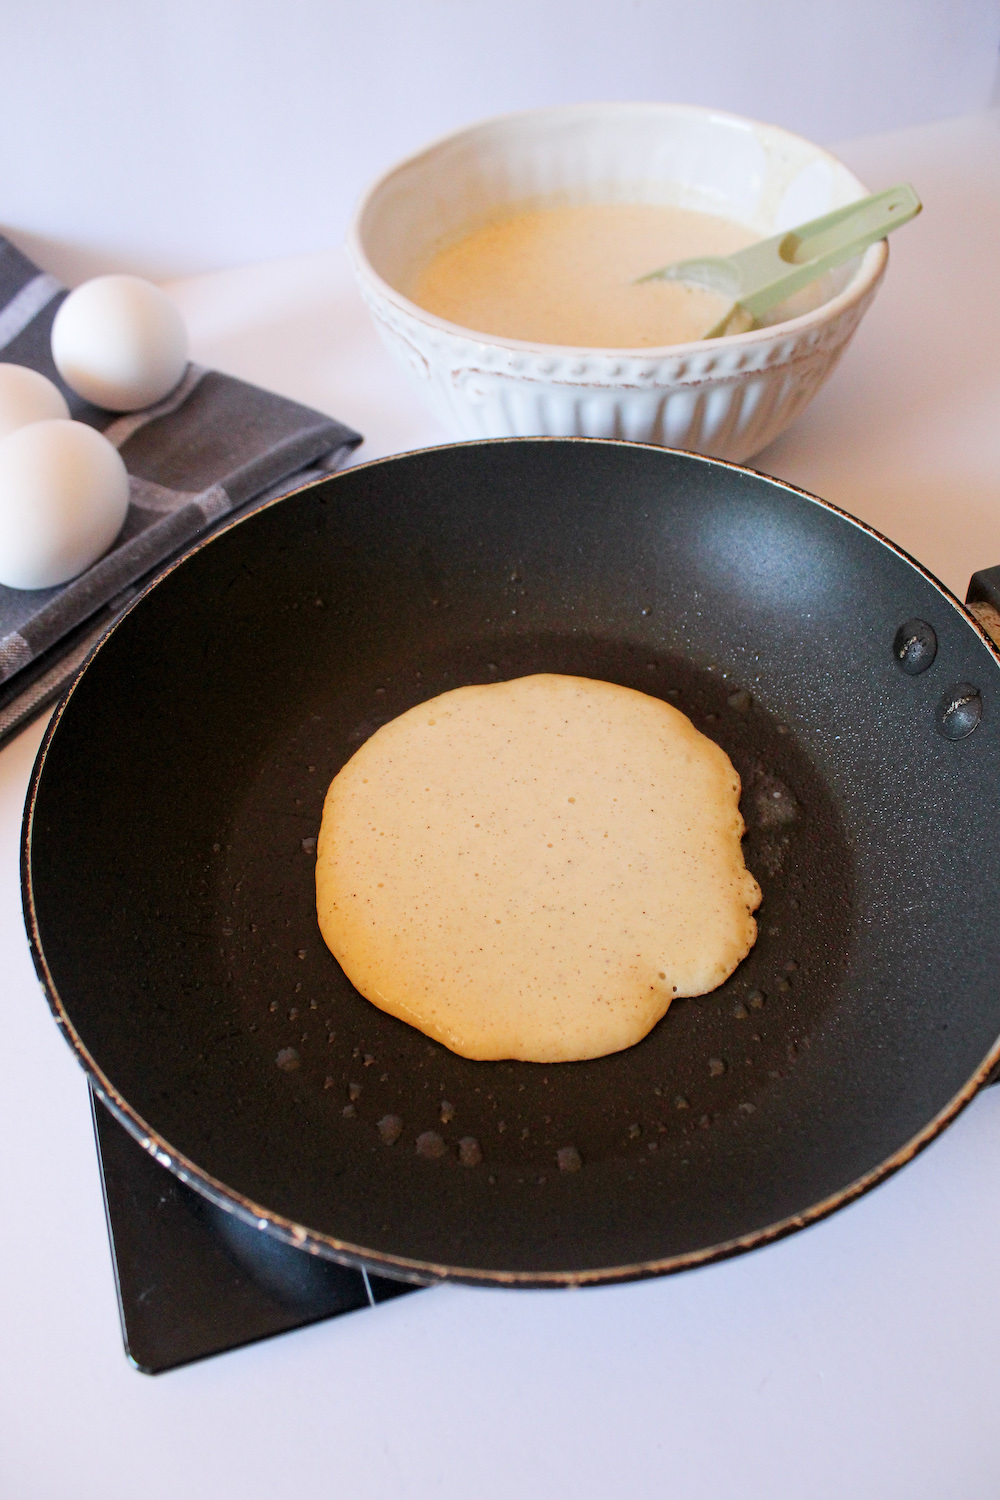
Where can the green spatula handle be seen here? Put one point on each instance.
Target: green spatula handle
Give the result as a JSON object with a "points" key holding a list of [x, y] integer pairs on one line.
{"points": [[762, 275]]}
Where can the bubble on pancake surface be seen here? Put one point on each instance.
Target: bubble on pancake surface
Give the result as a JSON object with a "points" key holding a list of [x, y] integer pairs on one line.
{"points": [[535, 869]]}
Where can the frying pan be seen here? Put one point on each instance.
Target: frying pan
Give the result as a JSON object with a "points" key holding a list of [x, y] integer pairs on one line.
{"points": [[168, 861]]}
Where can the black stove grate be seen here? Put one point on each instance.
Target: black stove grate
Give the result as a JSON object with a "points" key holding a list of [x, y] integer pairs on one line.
{"points": [[194, 1281]]}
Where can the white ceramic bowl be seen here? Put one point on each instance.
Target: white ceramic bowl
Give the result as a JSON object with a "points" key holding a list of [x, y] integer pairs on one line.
{"points": [[725, 397]]}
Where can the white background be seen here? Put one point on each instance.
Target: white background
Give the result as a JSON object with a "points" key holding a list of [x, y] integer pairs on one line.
{"points": [[855, 1361], [175, 137], [859, 1360]]}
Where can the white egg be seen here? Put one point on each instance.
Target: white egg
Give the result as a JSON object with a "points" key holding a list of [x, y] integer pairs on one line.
{"points": [[63, 499], [120, 342], [26, 396]]}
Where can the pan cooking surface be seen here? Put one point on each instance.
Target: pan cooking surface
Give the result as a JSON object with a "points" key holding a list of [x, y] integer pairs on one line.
{"points": [[703, 1066], [172, 857]]}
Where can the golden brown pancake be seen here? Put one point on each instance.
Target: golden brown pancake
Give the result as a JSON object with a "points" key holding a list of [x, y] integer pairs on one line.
{"points": [[535, 869]]}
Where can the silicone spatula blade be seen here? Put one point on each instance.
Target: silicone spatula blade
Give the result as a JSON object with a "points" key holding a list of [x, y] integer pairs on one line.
{"points": [[764, 274]]}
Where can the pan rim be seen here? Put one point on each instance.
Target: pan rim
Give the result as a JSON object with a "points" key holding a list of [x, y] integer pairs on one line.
{"points": [[406, 1268]]}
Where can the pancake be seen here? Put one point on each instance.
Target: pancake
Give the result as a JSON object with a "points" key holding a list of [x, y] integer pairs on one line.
{"points": [[535, 869]]}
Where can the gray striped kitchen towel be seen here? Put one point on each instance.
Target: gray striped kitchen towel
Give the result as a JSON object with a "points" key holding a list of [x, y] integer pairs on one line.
{"points": [[214, 446]]}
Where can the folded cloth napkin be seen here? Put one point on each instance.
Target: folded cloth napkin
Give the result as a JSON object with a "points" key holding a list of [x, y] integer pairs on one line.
{"points": [[215, 445]]}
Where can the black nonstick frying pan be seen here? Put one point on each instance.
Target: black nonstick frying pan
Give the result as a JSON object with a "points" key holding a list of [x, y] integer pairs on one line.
{"points": [[169, 852]]}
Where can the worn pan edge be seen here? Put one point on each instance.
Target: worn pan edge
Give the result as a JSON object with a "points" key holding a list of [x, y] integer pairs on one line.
{"points": [[404, 1268]]}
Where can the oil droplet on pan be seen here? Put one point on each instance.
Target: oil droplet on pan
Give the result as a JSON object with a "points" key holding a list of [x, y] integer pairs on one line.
{"points": [[469, 1152], [390, 1128], [430, 1144]]}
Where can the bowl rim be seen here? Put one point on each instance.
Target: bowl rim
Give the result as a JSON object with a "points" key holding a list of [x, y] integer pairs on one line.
{"points": [[865, 279]]}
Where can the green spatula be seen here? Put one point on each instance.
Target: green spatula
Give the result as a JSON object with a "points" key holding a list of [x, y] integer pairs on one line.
{"points": [[759, 277]]}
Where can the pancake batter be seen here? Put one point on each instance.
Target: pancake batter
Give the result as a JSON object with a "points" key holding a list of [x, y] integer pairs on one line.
{"points": [[566, 275]]}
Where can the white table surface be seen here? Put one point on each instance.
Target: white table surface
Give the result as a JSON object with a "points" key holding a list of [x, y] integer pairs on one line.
{"points": [[859, 1358]]}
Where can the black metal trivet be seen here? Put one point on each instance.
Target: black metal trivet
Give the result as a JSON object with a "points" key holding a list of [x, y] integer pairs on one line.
{"points": [[193, 1281]]}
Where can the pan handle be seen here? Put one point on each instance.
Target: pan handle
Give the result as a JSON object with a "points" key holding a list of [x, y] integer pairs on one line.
{"points": [[983, 600]]}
